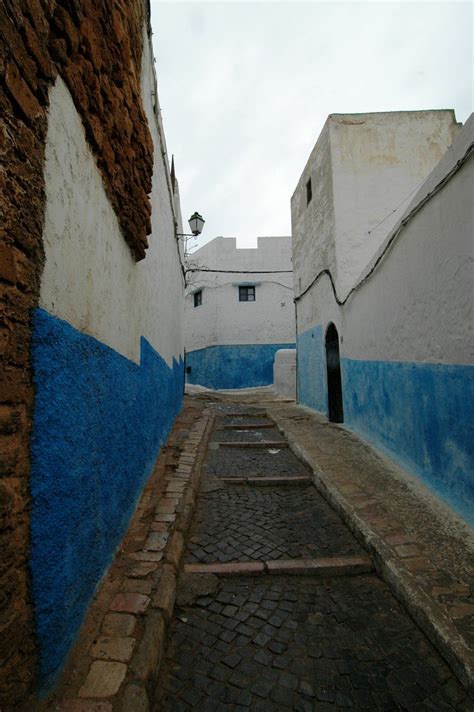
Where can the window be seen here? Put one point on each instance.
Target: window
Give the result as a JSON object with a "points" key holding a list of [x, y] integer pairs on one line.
{"points": [[198, 298], [309, 192], [246, 294]]}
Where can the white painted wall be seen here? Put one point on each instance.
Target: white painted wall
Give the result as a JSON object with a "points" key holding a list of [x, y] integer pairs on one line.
{"points": [[365, 170], [284, 373], [312, 224], [222, 319], [90, 278], [417, 304]]}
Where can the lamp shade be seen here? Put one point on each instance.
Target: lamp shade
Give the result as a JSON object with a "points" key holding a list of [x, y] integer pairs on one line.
{"points": [[196, 223]]}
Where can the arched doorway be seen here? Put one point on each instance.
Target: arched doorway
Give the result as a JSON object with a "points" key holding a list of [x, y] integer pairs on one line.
{"points": [[333, 367]]}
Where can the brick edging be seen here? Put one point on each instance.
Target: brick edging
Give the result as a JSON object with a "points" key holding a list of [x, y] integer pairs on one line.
{"points": [[144, 666], [426, 613]]}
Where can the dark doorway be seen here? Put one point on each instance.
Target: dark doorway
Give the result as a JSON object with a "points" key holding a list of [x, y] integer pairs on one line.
{"points": [[333, 366]]}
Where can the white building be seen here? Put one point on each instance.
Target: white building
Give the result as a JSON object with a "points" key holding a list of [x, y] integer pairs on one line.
{"points": [[383, 289], [238, 312]]}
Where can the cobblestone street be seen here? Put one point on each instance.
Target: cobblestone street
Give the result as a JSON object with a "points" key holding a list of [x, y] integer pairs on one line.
{"points": [[276, 641]]}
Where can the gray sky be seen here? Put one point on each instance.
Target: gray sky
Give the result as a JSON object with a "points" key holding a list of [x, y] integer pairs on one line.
{"points": [[246, 87]]}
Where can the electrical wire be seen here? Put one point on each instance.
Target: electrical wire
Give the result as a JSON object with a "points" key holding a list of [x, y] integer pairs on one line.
{"points": [[392, 239]]}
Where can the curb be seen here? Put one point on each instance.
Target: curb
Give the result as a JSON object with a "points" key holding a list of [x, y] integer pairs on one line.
{"points": [[322, 568], [117, 660], [146, 661], [425, 612]]}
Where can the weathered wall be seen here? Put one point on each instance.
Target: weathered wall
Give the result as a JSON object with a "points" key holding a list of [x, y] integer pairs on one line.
{"points": [[284, 373], [312, 224], [406, 337], [365, 169], [231, 344], [97, 50]]}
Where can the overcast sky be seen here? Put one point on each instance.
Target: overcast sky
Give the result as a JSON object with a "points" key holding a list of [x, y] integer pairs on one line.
{"points": [[245, 89]]}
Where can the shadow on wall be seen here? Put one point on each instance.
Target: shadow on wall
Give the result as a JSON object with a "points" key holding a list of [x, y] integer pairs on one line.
{"points": [[235, 366], [99, 422]]}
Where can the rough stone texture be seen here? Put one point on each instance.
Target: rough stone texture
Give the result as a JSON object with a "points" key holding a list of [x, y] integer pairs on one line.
{"points": [[251, 462], [111, 634], [242, 523], [282, 643], [103, 680], [96, 48]]}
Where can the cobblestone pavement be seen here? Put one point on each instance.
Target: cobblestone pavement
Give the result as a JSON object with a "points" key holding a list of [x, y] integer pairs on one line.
{"points": [[280, 642], [285, 643], [242, 523], [251, 462], [243, 435]]}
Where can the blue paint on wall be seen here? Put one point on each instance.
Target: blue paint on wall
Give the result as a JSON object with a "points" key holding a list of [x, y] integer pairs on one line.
{"points": [[99, 422], [312, 381], [421, 415], [237, 366]]}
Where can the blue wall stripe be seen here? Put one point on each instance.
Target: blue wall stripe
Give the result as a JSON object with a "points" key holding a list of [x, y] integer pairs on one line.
{"points": [[235, 366], [420, 414], [99, 422]]}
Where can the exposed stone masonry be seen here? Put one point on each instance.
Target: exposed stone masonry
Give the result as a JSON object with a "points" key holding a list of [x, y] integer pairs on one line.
{"points": [[96, 47]]}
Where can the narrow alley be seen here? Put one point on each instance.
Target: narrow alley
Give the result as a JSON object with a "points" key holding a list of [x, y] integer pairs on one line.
{"points": [[278, 605]]}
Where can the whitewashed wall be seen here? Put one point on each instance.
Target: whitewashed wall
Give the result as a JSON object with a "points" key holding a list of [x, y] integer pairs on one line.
{"points": [[90, 277], [222, 319], [406, 335], [365, 169]]}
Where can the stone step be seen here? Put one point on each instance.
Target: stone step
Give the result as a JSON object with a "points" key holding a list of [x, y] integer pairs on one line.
{"points": [[246, 444], [250, 426], [322, 568], [263, 481]]}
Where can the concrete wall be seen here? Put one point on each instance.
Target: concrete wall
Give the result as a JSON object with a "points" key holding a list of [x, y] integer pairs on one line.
{"points": [[107, 357], [365, 169], [231, 344], [406, 336]]}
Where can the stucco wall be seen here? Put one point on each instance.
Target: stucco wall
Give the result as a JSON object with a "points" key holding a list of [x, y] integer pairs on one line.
{"points": [[406, 336], [365, 170], [248, 333], [284, 373], [312, 224], [108, 370]]}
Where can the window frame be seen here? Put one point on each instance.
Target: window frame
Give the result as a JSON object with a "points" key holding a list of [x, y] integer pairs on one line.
{"points": [[197, 298], [244, 289]]}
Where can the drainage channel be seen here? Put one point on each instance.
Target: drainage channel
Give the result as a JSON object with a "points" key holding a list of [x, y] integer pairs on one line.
{"points": [[278, 607]]}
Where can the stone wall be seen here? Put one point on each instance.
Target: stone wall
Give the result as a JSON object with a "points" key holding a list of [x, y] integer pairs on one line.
{"points": [[96, 47]]}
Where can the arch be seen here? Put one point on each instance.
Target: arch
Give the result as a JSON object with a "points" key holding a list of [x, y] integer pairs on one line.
{"points": [[333, 371]]}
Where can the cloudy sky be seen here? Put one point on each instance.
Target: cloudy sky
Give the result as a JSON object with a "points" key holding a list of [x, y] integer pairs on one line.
{"points": [[246, 87]]}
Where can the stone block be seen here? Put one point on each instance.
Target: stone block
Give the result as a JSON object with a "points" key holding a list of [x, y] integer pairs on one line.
{"points": [[113, 648], [129, 603], [122, 624], [104, 679]]}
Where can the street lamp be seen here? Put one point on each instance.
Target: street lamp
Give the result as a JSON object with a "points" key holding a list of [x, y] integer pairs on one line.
{"points": [[196, 223]]}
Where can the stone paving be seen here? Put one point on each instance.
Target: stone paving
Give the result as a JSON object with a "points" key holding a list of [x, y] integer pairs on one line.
{"points": [[245, 435], [245, 462], [279, 642], [285, 643], [242, 523]]}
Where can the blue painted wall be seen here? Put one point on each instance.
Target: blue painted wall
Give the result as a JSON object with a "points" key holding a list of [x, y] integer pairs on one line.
{"points": [[99, 422], [419, 414], [312, 381], [237, 366]]}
